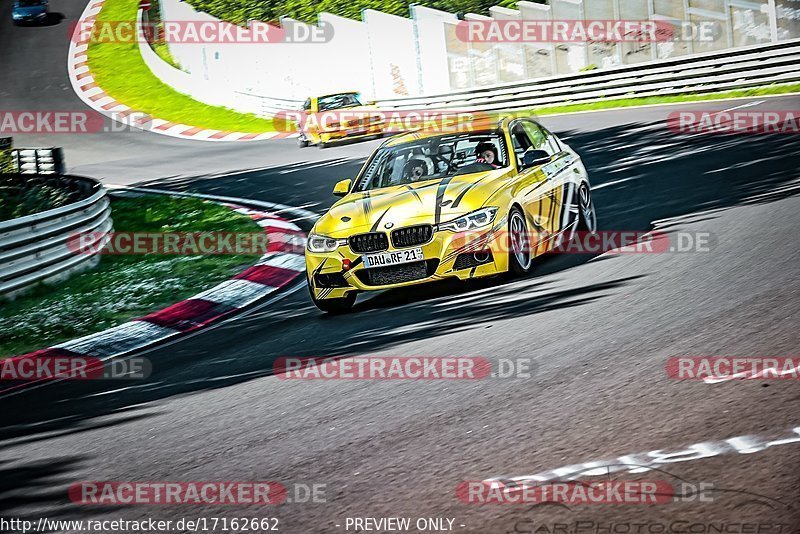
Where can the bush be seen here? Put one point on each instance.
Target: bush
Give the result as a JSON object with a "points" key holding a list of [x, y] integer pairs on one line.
{"points": [[239, 11], [19, 198]]}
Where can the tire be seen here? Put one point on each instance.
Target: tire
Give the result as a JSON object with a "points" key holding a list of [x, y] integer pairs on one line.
{"points": [[302, 142], [335, 306], [519, 260], [587, 218], [322, 145]]}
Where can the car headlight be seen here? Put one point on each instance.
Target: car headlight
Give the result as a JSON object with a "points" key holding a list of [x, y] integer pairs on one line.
{"points": [[322, 243], [476, 219]]}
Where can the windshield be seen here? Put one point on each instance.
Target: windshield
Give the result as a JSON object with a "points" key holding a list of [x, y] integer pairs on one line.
{"points": [[345, 100], [30, 3], [434, 158]]}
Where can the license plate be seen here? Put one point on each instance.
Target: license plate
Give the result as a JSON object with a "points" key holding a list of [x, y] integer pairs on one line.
{"points": [[393, 258]]}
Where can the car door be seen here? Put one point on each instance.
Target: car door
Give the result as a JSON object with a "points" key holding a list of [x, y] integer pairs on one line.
{"points": [[566, 172], [542, 188]]}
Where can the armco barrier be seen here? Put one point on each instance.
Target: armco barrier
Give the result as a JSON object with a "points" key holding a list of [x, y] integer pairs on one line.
{"points": [[736, 68], [34, 248], [724, 70]]}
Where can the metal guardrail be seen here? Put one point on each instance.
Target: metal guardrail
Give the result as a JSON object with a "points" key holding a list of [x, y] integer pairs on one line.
{"points": [[34, 248], [729, 69]]}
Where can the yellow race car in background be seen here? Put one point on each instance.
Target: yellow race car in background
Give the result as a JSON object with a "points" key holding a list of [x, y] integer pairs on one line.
{"points": [[430, 205], [336, 117]]}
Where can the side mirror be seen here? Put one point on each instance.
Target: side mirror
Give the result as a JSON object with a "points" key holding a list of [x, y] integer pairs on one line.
{"points": [[532, 158], [342, 188]]}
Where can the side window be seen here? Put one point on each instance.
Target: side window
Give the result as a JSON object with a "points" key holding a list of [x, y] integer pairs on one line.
{"points": [[520, 139], [541, 138], [536, 135], [307, 105], [552, 143]]}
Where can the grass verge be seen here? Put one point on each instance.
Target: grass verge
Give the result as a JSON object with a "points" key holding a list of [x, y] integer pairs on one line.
{"points": [[120, 70], [124, 287]]}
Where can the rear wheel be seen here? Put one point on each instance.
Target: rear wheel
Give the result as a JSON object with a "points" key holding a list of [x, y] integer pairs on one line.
{"points": [[334, 306], [322, 144], [520, 255]]}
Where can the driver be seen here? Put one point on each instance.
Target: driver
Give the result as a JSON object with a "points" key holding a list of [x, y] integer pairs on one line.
{"points": [[414, 170], [486, 153]]}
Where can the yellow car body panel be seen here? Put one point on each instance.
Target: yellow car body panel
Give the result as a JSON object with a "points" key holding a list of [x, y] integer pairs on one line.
{"points": [[355, 123], [538, 191]]}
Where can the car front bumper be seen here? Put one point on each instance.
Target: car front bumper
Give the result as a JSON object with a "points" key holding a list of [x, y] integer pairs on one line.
{"points": [[353, 132], [447, 255]]}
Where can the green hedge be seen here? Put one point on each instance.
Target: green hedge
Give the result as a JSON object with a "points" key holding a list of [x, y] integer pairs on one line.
{"points": [[239, 11], [22, 195]]}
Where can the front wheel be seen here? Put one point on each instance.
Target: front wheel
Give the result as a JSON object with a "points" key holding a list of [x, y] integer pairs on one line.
{"points": [[520, 255], [302, 142]]}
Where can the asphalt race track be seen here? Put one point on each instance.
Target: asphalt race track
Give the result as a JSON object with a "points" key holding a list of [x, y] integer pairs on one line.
{"points": [[600, 330]]}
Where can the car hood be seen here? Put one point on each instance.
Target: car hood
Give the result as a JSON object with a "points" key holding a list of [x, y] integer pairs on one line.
{"points": [[30, 11], [429, 202]]}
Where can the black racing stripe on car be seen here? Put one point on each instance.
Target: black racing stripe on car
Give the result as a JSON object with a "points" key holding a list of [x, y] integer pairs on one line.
{"points": [[414, 192], [557, 200], [566, 214], [320, 266], [356, 262], [366, 204], [403, 193], [463, 192], [316, 271], [539, 207], [378, 221], [466, 190], [439, 197], [472, 271], [496, 190]]}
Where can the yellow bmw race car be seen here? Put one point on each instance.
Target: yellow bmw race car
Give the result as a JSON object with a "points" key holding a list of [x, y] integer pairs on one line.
{"points": [[336, 117], [427, 206]]}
